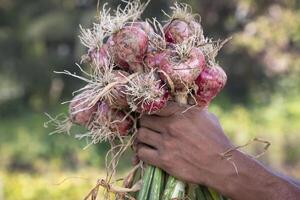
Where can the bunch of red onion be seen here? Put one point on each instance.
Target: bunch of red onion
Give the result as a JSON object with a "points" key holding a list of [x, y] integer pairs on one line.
{"points": [[135, 67]]}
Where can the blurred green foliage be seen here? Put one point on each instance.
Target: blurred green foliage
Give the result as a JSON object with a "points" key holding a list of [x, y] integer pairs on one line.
{"points": [[261, 99]]}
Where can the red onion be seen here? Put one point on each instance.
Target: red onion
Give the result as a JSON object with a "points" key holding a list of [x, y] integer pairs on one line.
{"points": [[153, 59], [145, 26], [112, 50], [182, 71], [79, 111], [121, 123], [117, 98], [210, 82], [129, 45], [114, 120], [177, 30], [153, 105], [146, 94], [155, 55], [182, 24], [99, 56]]}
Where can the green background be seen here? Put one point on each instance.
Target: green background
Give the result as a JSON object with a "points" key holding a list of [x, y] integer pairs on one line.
{"points": [[261, 98]]}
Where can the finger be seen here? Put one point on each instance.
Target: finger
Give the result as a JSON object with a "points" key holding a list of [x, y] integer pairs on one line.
{"points": [[171, 109], [154, 123], [134, 145], [135, 160], [149, 137], [148, 155]]}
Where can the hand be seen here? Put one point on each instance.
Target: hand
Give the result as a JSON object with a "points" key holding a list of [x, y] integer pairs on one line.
{"points": [[188, 144], [185, 143]]}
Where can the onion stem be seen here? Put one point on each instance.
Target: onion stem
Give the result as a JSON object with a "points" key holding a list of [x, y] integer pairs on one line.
{"points": [[147, 181]]}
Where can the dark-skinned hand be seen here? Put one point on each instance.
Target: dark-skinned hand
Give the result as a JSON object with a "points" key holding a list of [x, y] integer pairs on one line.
{"points": [[186, 143]]}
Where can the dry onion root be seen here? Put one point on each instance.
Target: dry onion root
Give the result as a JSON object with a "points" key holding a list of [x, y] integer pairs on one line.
{"points": [[93, 39], [136, 68], [79, 113], [106, 85], [146, 93], [182, 24], [107, 124]]}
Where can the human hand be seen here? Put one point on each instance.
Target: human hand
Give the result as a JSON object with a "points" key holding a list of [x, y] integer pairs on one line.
{"points": [[186, 144]]}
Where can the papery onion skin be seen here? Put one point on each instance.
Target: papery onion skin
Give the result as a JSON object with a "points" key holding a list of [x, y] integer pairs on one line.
{"points": [[119, 100], [153, 59], [99, 56], [183, 73], [145, 26], [153, 106], [210, 82], [146, 93], [154, 56], [115, 120], [112, 51], [129, 45], [79, 111], [122, 124], [178, 30]]}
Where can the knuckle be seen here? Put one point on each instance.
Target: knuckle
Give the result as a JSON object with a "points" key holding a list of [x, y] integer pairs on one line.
{"points": [[139, 153], [174, 128], [171, 126], [144, 120], [141, 134]]}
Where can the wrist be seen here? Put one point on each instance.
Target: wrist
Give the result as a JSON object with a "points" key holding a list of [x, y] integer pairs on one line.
{"points": [[220, 172], [250, 180], [225, 176]]}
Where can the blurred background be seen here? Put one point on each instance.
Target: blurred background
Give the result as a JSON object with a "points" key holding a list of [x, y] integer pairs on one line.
{"points": [[261, 99]]}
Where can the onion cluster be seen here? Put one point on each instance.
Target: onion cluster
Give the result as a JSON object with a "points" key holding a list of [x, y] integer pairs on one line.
{"points": [[135, 67]]}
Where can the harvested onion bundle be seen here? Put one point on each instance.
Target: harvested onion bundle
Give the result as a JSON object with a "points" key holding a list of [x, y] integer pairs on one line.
{"points": [[137, 66]]}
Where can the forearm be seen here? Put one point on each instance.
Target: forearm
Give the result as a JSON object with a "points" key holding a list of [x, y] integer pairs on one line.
{"points": [[251, 181], [296, 182]]}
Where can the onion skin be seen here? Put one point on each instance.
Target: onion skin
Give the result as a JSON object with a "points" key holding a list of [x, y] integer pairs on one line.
{"points": [[177, 30], [153, 106], [100, 56], [118, 61], [182, 73], [77, 110], [146, 94], [153, 59], [114, 119], [119, 98], [136, 67], [154, 56], [145, 26], [130, 44], [210, 82], [122, 124]]}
